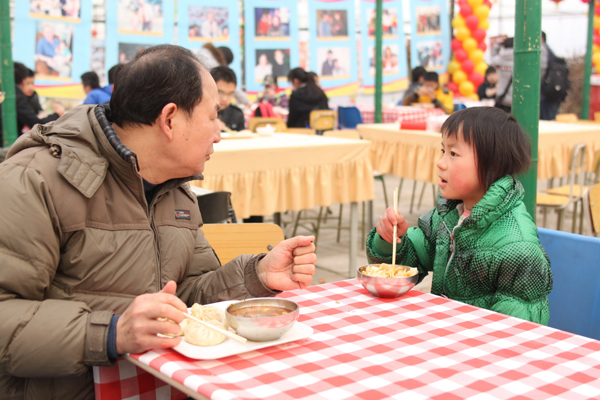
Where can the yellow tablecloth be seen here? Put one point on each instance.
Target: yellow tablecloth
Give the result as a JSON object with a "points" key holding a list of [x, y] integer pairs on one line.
{"points": [[289, 172], [414, 154]]}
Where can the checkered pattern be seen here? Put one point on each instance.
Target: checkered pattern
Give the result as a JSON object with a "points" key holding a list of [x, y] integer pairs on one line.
{"points": [[396, 114], [417, 347]]}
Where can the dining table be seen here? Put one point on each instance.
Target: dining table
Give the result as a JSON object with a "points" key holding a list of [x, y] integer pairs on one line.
{"points": [[419, 346], [289, 172]]}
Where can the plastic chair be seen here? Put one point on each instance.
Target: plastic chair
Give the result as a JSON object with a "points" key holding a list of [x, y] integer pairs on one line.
{"points": [[567, 118], [344, 134], [322, 120], [256, 122], [301, 131], [232, 240], [575, 297], [349, 117], [216, 208], [591, 205]]}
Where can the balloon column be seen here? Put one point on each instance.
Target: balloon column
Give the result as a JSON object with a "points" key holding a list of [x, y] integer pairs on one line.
{"points": [[467, 67], [596, 45]]}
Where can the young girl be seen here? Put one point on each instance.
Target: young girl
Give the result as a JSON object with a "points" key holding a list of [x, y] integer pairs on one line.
{"points": [[480, 242]]}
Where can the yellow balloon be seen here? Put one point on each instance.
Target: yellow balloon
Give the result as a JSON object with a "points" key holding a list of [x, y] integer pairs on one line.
{"points": [[459, 77], [466, 88], [485, 24], [453, 66], [458, 22], [475, 3], [474, 97], [469, 44], [596, 23], [596, 59], [481, 68], [595, 48], [476, 56], [481, 12], [463, 33]]}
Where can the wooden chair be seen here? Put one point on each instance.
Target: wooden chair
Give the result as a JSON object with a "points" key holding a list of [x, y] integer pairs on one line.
{"points": [[256, 122], [301, 131], [322, 120], [232, 240], [591, 205], [566, 118], [560, 198], [344, 134], [597, 116], [594, 175]]}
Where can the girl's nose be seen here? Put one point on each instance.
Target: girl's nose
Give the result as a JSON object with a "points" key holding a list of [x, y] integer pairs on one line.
{"points": [[441, 164]]}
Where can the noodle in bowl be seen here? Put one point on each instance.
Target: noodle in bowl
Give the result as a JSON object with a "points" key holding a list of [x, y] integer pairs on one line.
{"points": [[380, 281]]}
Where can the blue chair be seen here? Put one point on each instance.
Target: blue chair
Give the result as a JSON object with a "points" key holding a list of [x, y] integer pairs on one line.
{"points": [[349, 117], [575, 297]]}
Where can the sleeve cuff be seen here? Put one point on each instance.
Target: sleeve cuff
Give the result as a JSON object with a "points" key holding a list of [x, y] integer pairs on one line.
{"points": [[253, 283], [382, 247], [96, 339], [111, 341]]}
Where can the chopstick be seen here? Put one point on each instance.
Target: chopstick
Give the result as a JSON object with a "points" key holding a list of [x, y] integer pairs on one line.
{"points": [[230, 335], [395, 233]]}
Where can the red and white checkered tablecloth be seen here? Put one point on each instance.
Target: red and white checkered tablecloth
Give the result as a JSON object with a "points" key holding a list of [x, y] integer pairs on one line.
{"points": [[417, 347], [393, 115]]}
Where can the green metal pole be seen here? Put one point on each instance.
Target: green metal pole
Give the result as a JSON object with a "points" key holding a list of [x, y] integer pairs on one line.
{"points": [[526, 86], [587, 70], [7, 78], [378, 60]]}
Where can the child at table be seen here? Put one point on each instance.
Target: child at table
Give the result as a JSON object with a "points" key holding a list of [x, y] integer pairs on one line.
{"points": [[480, 242]]}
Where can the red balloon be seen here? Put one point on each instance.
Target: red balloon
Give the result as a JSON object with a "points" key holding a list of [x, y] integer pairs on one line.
{"points": [[482, 46], [472, 22], [487, 3], [452, 86], [478, 34], [456, 45], [461, 55], [476, 78], [597, 40], [466, 10], [468, 66]]}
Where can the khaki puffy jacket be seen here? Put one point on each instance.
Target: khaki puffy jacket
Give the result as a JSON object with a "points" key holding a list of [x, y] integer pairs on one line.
{"points": [[78, 243]]}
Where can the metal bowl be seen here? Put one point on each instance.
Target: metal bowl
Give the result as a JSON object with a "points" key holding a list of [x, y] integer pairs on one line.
{"points": [[263, 329], [386, 287]]}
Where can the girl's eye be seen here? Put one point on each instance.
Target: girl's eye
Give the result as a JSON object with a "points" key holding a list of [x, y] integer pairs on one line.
{"points": [[443, 151], [453, 154]]}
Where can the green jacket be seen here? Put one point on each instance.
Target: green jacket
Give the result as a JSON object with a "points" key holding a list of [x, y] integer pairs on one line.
{"points": [[498, 262]]}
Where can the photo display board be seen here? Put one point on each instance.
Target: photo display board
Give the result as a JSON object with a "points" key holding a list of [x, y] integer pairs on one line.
{"points": [[332, 45], [394, 64], [53, 39], [132, 25], [430, 27], [201, 21], [271, 40]]}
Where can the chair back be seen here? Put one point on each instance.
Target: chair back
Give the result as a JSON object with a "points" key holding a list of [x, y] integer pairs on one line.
{"points": [[575, 297], [232, 240], [301, 131], [566, 118], [257, 122], [344, 134], [322, 120], [595, 174], [591, 200], [216, 207], [349, 117], [577, 168]]}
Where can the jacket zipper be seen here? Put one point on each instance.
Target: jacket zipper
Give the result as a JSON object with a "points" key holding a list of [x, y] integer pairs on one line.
{"points": [[452, 245]]}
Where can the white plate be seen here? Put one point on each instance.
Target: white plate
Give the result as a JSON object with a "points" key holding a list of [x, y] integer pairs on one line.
{"points": [[230, 347]]}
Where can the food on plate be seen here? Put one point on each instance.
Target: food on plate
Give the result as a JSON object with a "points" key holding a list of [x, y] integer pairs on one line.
{"points": [[259, 311], [385, 271], [200, 335], [208, 313]]}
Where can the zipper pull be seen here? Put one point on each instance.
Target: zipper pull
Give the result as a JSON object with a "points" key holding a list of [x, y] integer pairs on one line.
{"points": [[452, 243]]}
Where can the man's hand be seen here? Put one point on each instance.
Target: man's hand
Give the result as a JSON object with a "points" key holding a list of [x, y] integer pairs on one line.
{"points": [[138, 326], [59, 109], [425, 91], [290, 265], [385, 226]]}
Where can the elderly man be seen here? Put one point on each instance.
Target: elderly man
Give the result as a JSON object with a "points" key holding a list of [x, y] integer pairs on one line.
{"points": [[99, 231]]}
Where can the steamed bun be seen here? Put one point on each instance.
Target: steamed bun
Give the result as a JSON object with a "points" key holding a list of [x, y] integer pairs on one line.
{"points": [[200, 335]]}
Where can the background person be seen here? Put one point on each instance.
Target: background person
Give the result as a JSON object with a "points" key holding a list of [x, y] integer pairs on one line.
{"points": [[417, 77], [306, 97], [489, 88], [432, 93], [503, 61], [271, 96], [230, 115]]}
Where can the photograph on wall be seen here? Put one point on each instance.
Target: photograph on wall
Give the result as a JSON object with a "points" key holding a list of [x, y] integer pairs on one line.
{"points": [[272, 23], [127, 51], [54, 50], [334, 62], [68, 10], [428, 20], [208, 23], [332, 24], [430, 55], [140, 17], [274, 62], [390, 60], [389, 22]]}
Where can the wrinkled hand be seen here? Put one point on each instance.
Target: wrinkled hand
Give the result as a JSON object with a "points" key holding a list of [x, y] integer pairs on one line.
{"points": [[59, 109], [290, 265], [138, 326], [385, 226], [425, 91]]}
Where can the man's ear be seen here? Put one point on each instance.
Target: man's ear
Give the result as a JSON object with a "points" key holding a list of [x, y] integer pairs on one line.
{"points": [[165, 120]]}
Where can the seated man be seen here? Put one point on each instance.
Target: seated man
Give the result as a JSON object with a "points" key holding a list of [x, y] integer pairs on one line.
{"points": [[418, 77], [432, 93], [100, 232], [91, 85], [271, 97], [230, 115]]}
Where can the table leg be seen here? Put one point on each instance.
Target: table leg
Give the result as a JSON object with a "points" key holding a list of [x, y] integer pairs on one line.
{"points": [[370, 214], [353, 239]]}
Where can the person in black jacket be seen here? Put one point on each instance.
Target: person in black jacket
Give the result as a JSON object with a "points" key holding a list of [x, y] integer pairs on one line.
{"points": [[230, 115], [28, 102], [488, 89], [306, 97]]}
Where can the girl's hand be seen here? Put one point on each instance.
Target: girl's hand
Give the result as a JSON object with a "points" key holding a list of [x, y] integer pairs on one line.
{"points": [[385, 226]]}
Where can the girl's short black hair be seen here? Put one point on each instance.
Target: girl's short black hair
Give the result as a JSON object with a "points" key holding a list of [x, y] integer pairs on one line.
{"points": [[501, 146]]}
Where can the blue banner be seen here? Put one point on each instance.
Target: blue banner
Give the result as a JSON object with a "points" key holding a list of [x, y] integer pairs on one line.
{"points": [[132, 25], [200, 22], [333, 44], [271, 39], [394, 62], [53, 39], [430, 27]]}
